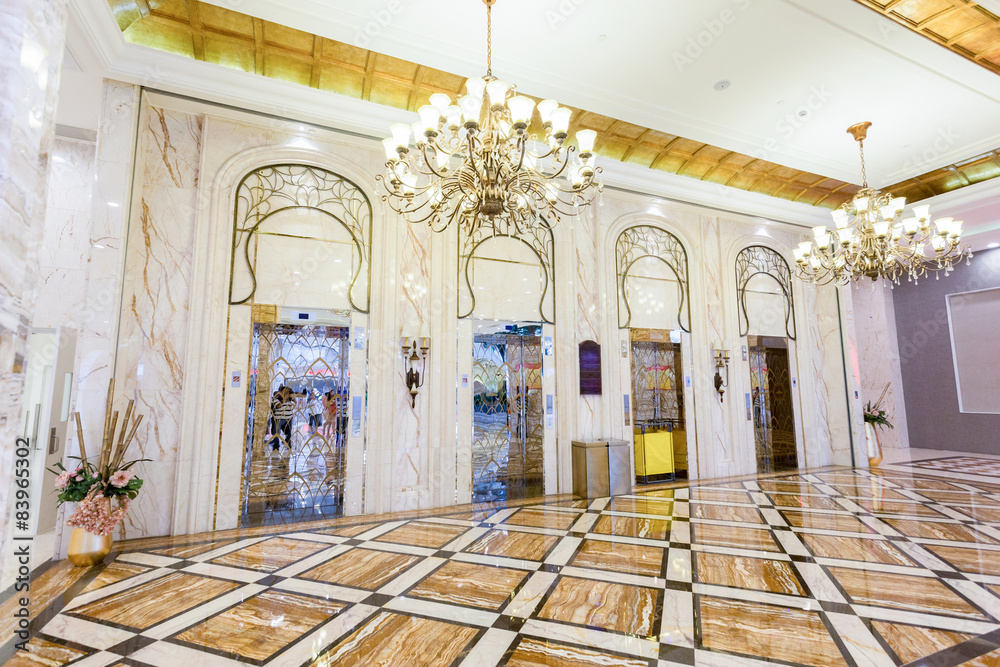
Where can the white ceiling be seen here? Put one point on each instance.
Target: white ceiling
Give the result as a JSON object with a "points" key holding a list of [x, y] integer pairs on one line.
{"points": [[930, 107]]}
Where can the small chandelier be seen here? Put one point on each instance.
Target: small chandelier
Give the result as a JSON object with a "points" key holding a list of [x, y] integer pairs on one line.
{"points": [[474, 162], [873, 240]]}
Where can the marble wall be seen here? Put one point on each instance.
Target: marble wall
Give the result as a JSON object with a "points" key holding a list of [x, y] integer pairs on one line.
{"points": [[174, 341], [31, 52]]}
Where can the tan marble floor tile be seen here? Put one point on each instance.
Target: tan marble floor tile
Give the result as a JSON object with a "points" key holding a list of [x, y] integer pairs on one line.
{"points": [[653, 529], [822, 521], [727, 536], [629, 558], [147, 604], [514, 544], [938, 531], [775, 633], [978, 512], [537, 518], [361, 568], [869, 491], [188, 550], [532, 652], [898, 507], [348, 531], [787, 487], [429, 535], [264, 624], [578, 504], [960, 498], [270, 555], [917, 483], [969, 560], [726, 513], [470, 584], [642, 506], [912, 643], [855, 548], [744, 572], [807, 502], [45, 588], [900, 591], [720, 495], [397, 640], [43, 653], [113, 573], [603, 604], [658, 493]]}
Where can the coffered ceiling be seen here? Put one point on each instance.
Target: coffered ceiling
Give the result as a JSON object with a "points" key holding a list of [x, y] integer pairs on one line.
{"points": [[644, 75]]}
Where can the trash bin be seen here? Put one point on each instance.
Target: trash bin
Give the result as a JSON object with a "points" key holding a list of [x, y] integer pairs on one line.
{"points": [[619, 467], [590, 469]]}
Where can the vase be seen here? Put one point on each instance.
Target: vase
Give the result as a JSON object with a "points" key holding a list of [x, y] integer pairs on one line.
{"points": [[874, 446], [87, 549]]}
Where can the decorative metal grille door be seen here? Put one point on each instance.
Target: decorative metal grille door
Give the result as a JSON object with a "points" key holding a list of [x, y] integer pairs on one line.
{"points": [[656, 394], [508, 429], [295, 471], [773, 416]]}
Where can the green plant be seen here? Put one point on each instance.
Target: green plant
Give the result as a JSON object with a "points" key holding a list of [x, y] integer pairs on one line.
{"points": [[875, 414]]}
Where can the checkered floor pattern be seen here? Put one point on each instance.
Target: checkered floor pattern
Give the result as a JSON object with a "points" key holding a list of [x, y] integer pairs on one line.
{"points": [[837, 567]]}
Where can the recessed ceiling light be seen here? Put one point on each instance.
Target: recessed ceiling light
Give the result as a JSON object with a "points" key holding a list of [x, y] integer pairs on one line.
{"points": [[993, 245], [601, 38], [722, 85]]}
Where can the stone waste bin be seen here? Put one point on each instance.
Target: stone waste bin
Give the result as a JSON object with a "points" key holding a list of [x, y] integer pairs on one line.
{"points": [[590, 469], [619, 467]]}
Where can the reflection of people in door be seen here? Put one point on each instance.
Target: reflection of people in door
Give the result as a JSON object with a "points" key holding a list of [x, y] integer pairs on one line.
{"points": [[314, 408], [282, 410], [330, 413]]}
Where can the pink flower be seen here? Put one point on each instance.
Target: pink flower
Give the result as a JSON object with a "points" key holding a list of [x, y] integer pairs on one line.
{"points": [[121, 478], [79, 478], [62, 481]]}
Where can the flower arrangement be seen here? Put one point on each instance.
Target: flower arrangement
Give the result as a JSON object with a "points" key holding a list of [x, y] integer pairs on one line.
{"points": [[875, 414], [96, 485]]}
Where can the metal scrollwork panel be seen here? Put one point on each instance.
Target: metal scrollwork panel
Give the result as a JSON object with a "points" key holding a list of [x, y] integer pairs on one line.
{"points": [[281, 187], [756, 260], [538, 237], [642, 241]]}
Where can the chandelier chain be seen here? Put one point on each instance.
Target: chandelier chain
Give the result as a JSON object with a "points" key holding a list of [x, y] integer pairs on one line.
{"points": [[864, 173], [489, 40]]}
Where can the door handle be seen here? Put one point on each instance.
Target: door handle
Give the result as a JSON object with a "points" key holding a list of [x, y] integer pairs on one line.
{"points": [[53, 441]]}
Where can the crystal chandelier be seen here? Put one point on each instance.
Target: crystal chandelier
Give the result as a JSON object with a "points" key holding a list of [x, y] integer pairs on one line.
{"points": [[873, 240], [474, 162]]}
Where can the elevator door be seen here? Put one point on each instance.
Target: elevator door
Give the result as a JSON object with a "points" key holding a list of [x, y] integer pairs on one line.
{"points": [[295, 471], [508, 435], [658, 405], [771, 393]]}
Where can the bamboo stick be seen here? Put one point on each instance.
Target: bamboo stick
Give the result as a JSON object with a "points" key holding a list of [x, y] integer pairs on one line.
{"points": [[107, 417], [121, 437], [79, 437], [106, 452], [128, 441]]}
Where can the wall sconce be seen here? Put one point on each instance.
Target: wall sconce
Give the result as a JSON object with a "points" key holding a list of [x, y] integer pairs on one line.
{"points": [[721, 362], [414, 364]]}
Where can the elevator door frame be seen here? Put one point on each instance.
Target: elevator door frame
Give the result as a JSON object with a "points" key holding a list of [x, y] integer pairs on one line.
{"points": [[522, 405], [761, 428]]}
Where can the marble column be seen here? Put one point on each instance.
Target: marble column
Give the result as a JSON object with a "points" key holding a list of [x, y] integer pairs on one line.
{"points": [[31, 50]]}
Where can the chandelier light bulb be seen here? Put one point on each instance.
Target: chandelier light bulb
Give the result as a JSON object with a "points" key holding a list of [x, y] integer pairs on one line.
{"points": [[840, 218], [585, 140], [471, 108], [430, 116], [419, 133], [454, 114], [910, 225], [497, 91], [898, 204], [409, 184], [441, 160], [560, 120], [882, 228], [475, 87], [441, 102], [943, 225], [521, 109], [861, 205], [389, 145], [545, 109], [922, 212], [400, 134]]}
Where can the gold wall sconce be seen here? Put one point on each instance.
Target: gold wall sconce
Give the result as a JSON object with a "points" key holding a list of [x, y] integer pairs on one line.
{"points": [[721, 358], [414, 364]]}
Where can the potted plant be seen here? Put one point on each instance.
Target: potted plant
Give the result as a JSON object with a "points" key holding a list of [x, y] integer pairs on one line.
{"points": [[104, 489], [875, 416]]}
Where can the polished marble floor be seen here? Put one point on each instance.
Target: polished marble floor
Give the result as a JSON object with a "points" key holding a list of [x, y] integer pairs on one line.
{"points": [[829, 567]]}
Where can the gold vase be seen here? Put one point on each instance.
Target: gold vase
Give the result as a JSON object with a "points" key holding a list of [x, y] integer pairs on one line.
{"points": [[87, 549], [874, 446]]}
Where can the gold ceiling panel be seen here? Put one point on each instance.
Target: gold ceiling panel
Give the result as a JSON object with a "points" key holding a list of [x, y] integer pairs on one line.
{"points": [[952, 177], [963, 26], [224, 37]]}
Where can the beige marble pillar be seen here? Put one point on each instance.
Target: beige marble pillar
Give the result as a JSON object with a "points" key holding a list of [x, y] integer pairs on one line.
{"points": [[31, 50]]}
